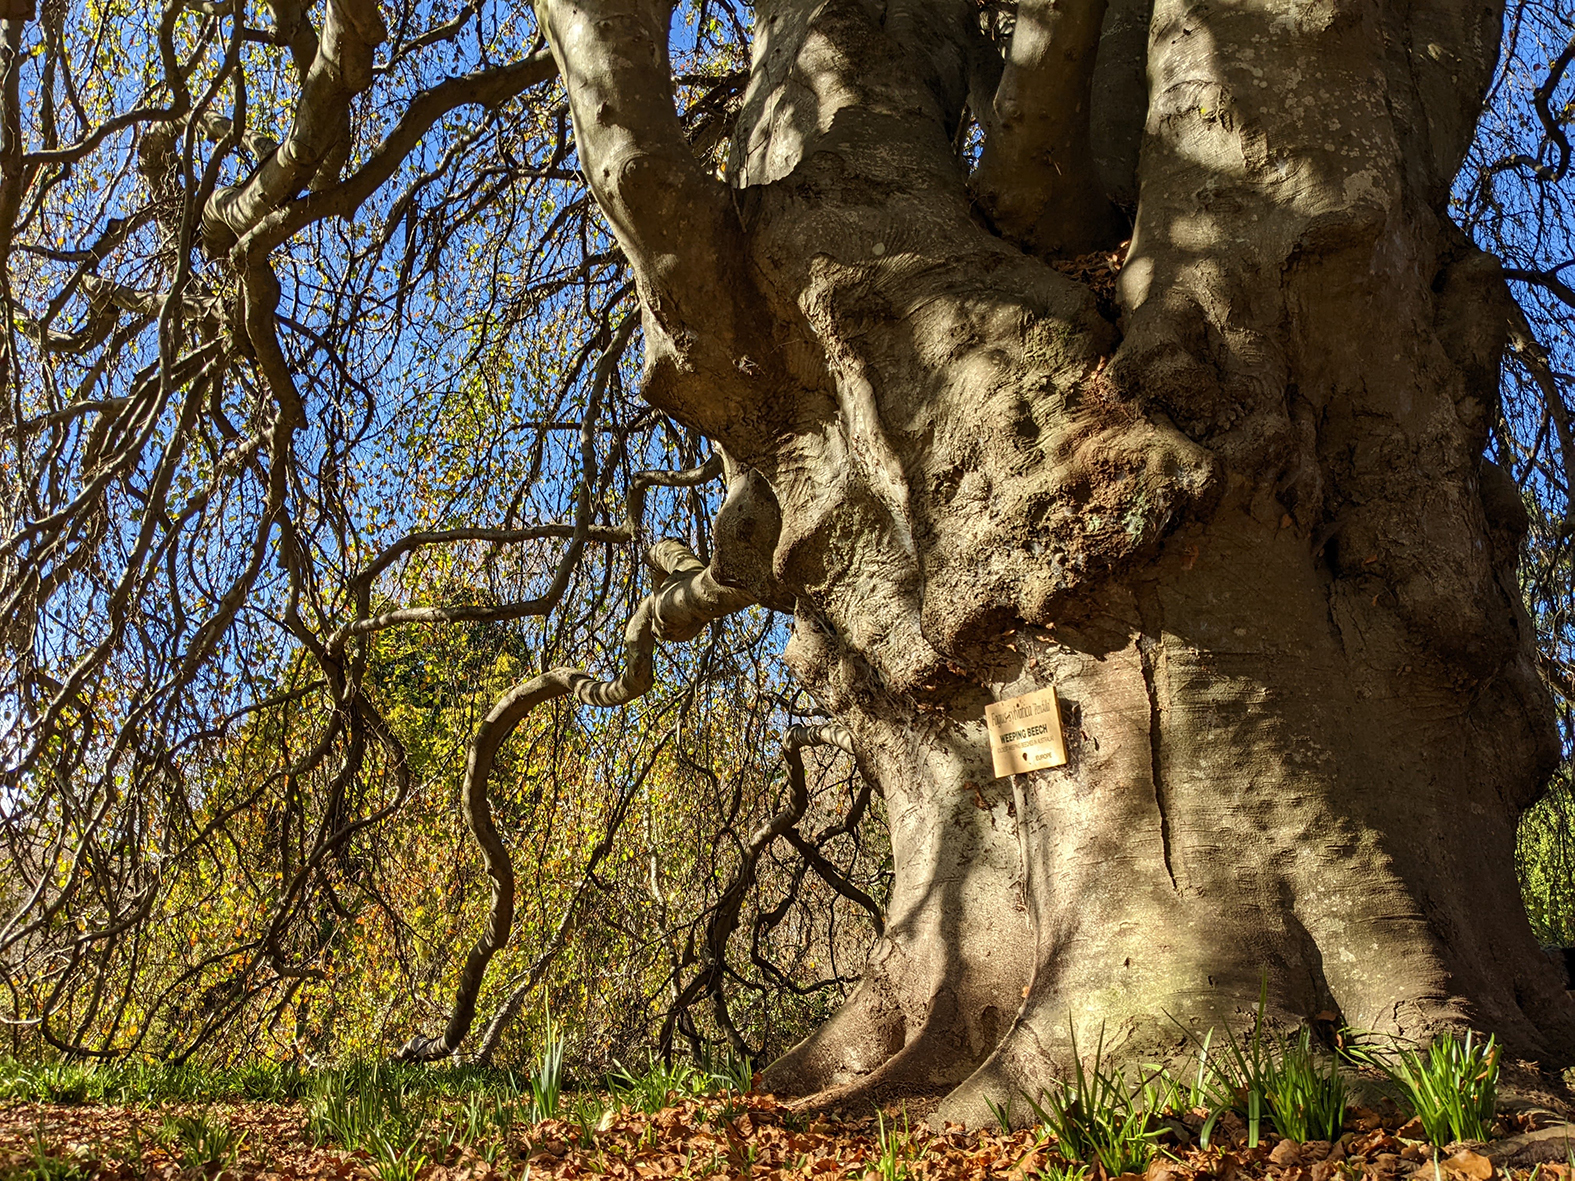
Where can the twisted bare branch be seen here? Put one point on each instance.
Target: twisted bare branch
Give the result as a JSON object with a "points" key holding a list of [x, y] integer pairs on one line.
{"points": [[689, 597]]}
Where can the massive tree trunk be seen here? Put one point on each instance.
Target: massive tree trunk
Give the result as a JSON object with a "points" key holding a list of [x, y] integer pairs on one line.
{"points": [[1244, 527]]}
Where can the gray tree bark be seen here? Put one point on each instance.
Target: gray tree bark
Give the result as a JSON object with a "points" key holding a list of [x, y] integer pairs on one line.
{"points": [[1247, 531]]}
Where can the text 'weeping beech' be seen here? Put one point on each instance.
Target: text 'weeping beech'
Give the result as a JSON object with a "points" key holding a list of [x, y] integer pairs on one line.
{"points": [[1247, 531]]}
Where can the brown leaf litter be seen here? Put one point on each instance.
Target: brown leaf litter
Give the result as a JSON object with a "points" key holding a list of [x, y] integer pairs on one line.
{"points": [[756, 1136]]}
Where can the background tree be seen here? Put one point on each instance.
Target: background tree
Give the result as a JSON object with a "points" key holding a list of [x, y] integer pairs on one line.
{"points": [[318, 324]]}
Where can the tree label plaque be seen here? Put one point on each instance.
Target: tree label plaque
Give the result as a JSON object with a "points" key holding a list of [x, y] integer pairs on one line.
{"points": [[1025, 732]]}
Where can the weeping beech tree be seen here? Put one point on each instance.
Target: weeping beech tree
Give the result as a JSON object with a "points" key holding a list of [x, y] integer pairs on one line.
{"points": [[1234, 508], [1244, 526]]}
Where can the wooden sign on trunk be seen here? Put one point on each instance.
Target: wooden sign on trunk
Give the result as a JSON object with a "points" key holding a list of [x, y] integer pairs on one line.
{"points": [[1025, 732]]}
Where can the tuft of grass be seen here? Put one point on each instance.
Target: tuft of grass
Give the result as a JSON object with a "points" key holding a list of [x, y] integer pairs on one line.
{"points": [[484, 1121], [588, 1113], [546, 1083], [659, 1085], [1279, 1079], [896, 1148], [1285, 1078], [733, 1074], [48, 1082], [1163, 1091], [1308, 1094], [203, 1140], [390, 1162], [275, 1082], [353, 1106], [1096, 1117], [1452, 1088], [129, 1082], [46, 1166], [504, 1110], [133, 1152], [1002, 1113], [475, 1118]]}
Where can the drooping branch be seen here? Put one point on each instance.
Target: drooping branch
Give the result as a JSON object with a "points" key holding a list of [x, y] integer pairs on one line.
{"points": [[509, 1008], [689, 597], [724, 919], [319, 138], [578, 533], [487, 87], [1548, 280], [1529, 351], [150, 507], [828, 872], [1553, 132], [1036, 178], [628, 530]]}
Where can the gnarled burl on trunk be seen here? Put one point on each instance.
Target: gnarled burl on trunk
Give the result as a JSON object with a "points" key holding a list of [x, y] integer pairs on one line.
{"points": [[1242, 521]]}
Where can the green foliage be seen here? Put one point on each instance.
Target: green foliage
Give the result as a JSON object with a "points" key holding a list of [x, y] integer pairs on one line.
{"points": [[405, 1117], [1163, 1091], [44, 1165], [1452, 1088], [588, 1113], [659, 1085], [485, 1120], [1307, 1093], [1545, 861], [664, 1082], [735, 1073], [355, 1105], [393, 1162], [487, 1123], [1002, 1113], [1096, 1117], [475, 1117], [1282, 1077], [147, 1082], [1278, 1077], [271, 1081], [51, 1082]]}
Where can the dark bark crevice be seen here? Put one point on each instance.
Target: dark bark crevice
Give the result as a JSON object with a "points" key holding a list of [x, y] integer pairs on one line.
{"points": [[1149, 653]]}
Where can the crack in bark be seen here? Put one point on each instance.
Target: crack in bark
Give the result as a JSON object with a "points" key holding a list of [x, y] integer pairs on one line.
{"points": [[1147, 647]]}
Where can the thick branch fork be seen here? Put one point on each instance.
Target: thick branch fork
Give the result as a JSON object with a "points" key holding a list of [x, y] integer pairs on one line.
{"points": [[319, 139], [707, 335], [1036, 176]]}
